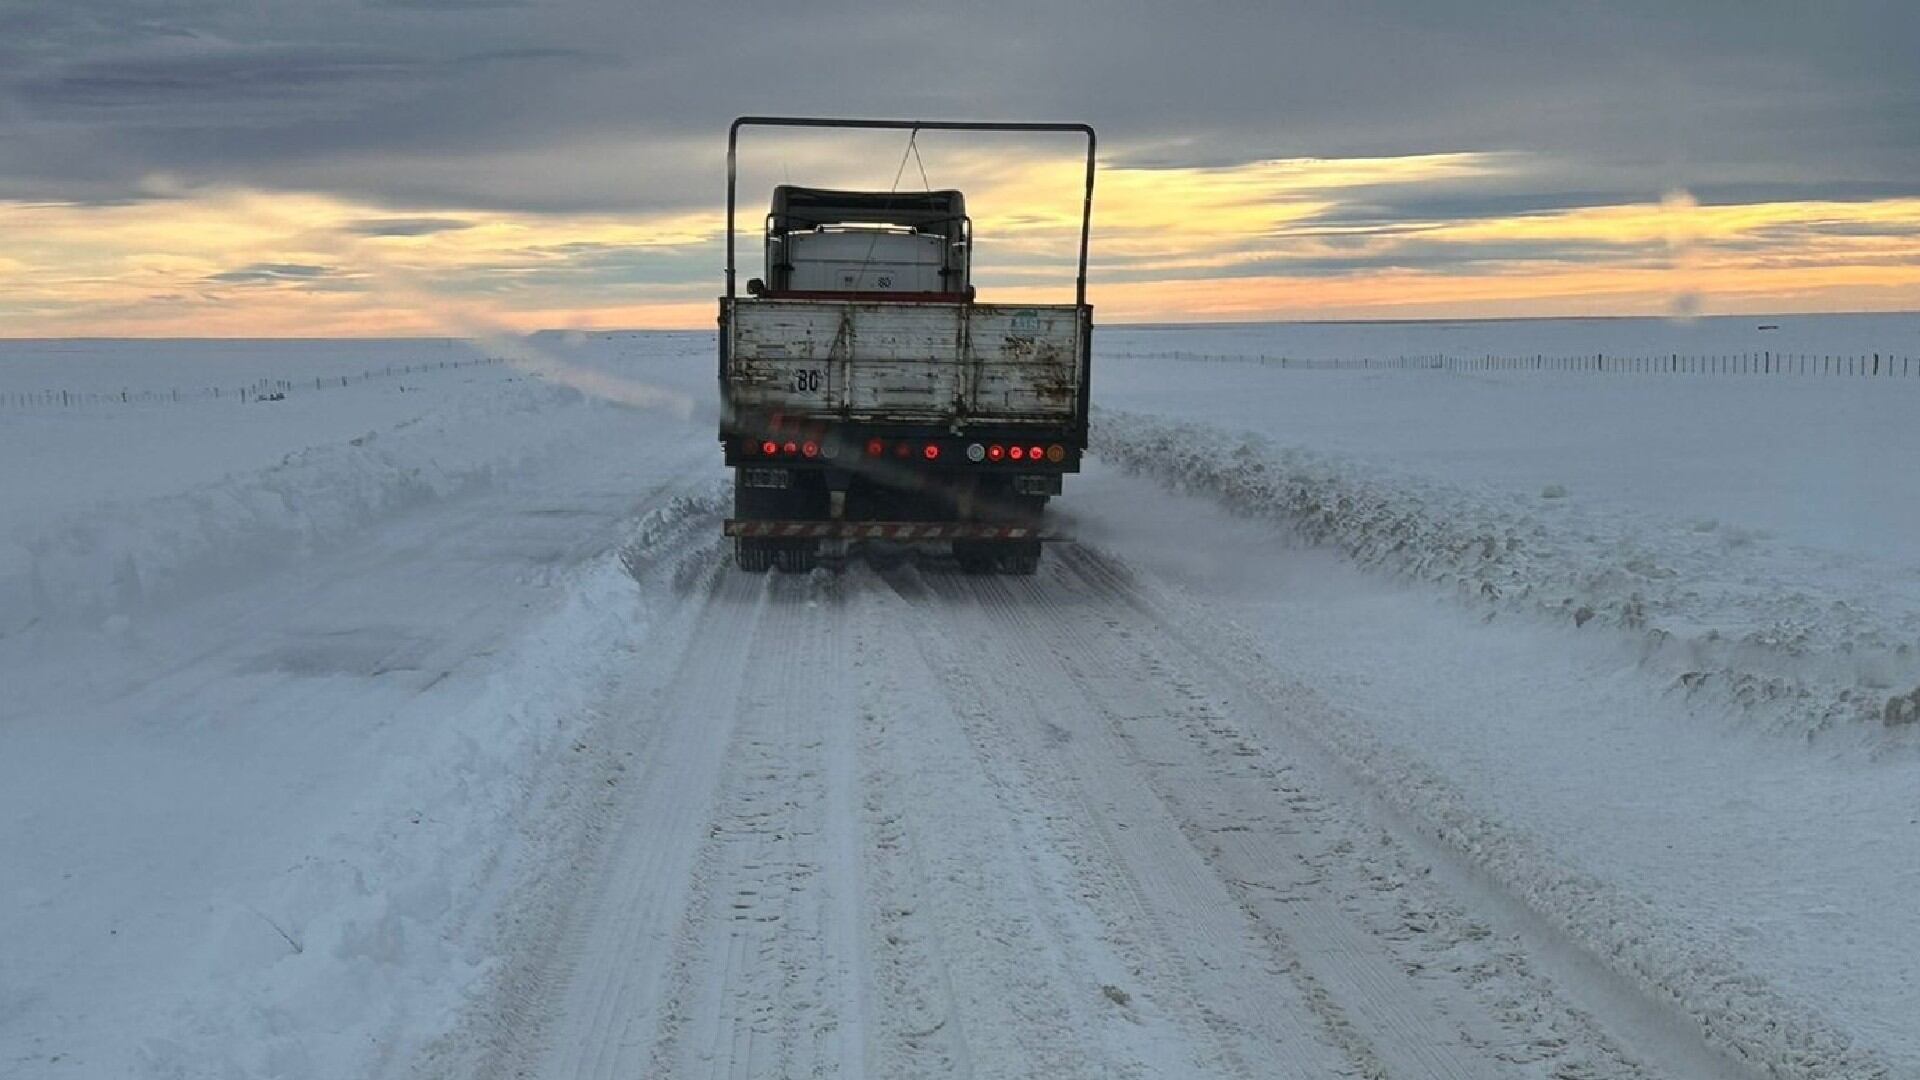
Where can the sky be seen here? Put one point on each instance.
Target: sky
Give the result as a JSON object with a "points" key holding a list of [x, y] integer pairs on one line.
{"points": [[376, 167]]}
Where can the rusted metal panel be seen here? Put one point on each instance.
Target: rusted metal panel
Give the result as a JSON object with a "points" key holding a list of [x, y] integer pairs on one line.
{"points": [[868, 360]]}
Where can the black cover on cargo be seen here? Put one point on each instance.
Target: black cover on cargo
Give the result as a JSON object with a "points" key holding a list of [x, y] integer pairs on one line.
{"points": [[802, 208]]}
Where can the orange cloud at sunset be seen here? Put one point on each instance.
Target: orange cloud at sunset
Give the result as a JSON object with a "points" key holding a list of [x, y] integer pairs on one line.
{"points": [[1268, 239]]}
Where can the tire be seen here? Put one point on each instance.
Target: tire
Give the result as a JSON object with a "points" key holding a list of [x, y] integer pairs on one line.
{"points": [[974, 558], [797, 558], [753, 556], [1022, 559]]}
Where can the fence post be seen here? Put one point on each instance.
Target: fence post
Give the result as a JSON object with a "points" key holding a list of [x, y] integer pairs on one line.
{"points": [[1876, 363]]}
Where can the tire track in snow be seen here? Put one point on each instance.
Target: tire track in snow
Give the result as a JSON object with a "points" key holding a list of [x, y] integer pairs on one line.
{"points": [[755, 988], [1205, 957], [1387, 959], [1011, 915], [922, 1023], [1586, 996], [606, 981]]}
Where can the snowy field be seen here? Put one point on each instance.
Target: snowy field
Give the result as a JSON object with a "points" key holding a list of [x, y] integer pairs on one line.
{"points": [[1402, 723]]}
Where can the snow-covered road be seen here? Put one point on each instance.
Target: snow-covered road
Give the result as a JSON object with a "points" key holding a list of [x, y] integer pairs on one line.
{"points": [[910, 823], [438, 738]]}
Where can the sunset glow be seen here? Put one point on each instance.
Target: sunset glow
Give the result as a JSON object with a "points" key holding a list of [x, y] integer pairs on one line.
{"points": [[1267, 239]]}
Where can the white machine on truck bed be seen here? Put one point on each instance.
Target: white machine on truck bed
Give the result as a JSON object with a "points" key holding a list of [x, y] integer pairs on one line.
{"points": [[867, 395]]}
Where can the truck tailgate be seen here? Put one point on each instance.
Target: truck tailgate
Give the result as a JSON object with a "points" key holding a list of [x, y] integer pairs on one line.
{"points": [[875, 360]]}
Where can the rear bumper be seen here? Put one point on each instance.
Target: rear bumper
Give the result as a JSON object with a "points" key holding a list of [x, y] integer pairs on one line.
{"points": [[901, 531], [866, 448]]}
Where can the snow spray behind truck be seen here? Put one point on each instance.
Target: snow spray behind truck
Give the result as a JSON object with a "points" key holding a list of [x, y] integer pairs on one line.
{"points": [[867, 395]]}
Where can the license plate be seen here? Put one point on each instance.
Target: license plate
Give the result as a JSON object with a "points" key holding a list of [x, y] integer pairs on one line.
{"points": [[765, 478]]}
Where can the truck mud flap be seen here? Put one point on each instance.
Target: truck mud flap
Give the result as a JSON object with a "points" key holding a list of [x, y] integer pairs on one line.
{"points": [[897, 531]]}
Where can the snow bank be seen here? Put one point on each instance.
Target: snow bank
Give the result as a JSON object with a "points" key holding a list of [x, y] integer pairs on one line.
{"points": [[108, 560], [1799, 640], [365, 949]]}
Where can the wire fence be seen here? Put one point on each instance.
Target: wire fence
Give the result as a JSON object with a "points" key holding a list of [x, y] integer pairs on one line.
{"points": [[263, 389], [1868, 365]]}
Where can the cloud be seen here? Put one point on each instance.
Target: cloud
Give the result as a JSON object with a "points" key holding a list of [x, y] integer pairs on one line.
{"points": [[403, 226], [178, 82], [269, 274], [554, 154], [449, 5], [408, 100]]}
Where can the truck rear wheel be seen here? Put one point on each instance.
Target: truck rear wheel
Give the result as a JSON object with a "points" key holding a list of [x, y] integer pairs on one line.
{"points": [[973, 557], [797, 557], [753, 556], [1022, 559], [978, 557]]}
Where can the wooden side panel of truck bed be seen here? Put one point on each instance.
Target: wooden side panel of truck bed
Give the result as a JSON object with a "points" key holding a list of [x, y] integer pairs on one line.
{"points": [[873, 360]]}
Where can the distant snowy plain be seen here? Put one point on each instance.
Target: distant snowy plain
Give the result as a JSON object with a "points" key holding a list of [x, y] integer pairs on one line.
{"points": [[303, 738]]}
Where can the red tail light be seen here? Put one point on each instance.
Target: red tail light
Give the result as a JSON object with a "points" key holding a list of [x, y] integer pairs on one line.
{"points": [[875, 448], [1034, 453], [769, 448], [996, 452], [1016, 452], [792, 448], [810, 449], [901, 450], [932, 452]]}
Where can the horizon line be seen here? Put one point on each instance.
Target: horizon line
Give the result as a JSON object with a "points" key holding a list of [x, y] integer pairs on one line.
{"points": [[1155, 325]]}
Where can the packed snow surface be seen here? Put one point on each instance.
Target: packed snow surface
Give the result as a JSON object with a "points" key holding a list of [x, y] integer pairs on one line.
{"points": [[1401, 721]]}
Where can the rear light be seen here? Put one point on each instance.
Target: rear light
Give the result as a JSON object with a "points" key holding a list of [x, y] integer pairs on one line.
{"points": [[810, 449], [769, 448], [996, 452], [792, 448], [932, 451], [1016, 452], [976, 452], [875, 448], [901, 450], [1033, 453], [1056, 453]]}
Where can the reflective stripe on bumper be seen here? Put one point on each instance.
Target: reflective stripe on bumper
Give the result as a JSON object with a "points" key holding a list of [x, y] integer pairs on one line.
{"points": [[885, 530]]}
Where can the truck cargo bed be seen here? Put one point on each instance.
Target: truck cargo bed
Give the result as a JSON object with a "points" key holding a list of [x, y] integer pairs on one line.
{"points": [[862, 360]]}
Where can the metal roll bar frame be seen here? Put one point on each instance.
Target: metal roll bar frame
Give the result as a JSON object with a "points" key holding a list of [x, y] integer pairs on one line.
{"points": [[1086, 206]]}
